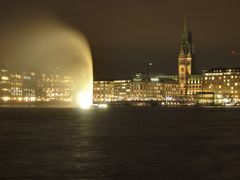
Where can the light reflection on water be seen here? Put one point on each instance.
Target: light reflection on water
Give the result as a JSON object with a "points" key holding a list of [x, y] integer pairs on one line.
{"points": [[119, 143]]}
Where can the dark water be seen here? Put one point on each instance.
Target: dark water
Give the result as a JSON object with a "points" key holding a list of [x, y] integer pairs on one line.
{"points": [[120, 143]]}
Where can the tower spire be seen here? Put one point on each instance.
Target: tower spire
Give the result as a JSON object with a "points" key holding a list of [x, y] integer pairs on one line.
{"points": [[184, 38], [185, 30], [185, 25], [185, 59]]}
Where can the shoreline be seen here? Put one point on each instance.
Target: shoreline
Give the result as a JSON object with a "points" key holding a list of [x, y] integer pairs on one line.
{"points": [[94, 106]]}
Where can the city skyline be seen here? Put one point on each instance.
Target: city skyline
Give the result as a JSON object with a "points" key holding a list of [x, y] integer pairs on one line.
{"points": [[130, 89], [145, 32]]}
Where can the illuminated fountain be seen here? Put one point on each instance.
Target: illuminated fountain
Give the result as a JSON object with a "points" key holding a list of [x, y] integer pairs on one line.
{"points": [[47, 42], [84, 75]]}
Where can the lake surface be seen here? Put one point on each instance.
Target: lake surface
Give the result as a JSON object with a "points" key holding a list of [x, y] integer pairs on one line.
{"points": [[120, 143]]}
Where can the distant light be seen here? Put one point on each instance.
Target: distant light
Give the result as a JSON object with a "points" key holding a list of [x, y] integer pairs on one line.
{"points": [[169, 98], [5, 78], [154, 79], [235, 53], [103, 106], [5, 99], [226, 100]]}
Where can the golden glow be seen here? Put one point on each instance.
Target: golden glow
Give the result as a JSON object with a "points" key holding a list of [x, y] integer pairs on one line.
{"points": [[103, 106], [5, 99], [48, 42], [85, 98], [5, 78]]}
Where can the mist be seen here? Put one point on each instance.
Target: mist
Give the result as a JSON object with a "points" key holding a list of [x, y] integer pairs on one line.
{"points": [[41, 43]]}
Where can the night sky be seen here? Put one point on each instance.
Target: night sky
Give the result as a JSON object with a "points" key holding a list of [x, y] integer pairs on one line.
{"points": [[125, 35]]}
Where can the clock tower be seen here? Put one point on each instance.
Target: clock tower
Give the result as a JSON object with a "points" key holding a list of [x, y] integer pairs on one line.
{"points": [[185, 59]]}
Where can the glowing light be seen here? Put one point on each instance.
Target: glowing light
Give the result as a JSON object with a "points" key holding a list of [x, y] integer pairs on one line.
{"points": [[85, 99], [5, 78], [226, 100], [45, 40], [235, 53], [5, 99], [103, 106], [154, 79]]}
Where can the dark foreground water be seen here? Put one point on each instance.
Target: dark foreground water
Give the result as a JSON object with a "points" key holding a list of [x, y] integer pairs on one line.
{"points": [[120, 143]]}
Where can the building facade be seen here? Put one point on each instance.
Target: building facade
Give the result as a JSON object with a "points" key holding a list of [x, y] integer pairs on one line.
{"points": [[54, 87], [27, 87], [189, 83], [225, 81], [122, 90], [138, 89], [5, 85], [157, 87], [209, 99], [103, 91], [112, 91], [194, 85], [146, 90]]}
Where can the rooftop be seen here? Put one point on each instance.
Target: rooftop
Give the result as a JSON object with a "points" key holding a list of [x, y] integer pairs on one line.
{"points": [[221, 69]]}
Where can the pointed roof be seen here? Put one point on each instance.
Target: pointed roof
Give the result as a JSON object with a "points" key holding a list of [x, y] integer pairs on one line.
{"points": [[185, 26], [186, 39]]}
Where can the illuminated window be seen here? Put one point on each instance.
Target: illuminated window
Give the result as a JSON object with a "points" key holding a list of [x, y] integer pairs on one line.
{"points": [[5, 78]]}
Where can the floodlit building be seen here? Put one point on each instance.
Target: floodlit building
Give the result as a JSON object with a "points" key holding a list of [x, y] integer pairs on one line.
{"points": [[16, 87], [5, 85], [170, 89], [146, 91], [189, 84], [153, 89], [24, 87], [225, 81], [103, 91], [55, 87], [156, 87], [194, 85], [209, 99], [112, 91], [185, 58], [122, 90], [29, 87]]}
